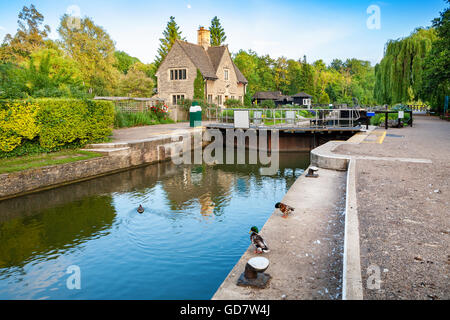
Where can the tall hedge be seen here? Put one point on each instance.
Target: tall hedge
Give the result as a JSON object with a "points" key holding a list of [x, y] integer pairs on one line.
{"points": [[53, 122]]}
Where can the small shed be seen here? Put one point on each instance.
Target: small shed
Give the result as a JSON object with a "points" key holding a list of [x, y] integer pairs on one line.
{"points": [[302, 99]]}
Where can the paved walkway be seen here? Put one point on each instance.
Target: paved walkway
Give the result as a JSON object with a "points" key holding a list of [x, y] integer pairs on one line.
{"points": [[403, 209], [145, 132], [306, 248]]}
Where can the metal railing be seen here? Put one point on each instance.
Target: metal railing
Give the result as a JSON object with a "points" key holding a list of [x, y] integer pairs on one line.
{"points": [[292, 117]]}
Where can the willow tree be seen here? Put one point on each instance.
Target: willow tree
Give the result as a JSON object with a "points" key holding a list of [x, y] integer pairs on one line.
{"points": [[400, 72]]}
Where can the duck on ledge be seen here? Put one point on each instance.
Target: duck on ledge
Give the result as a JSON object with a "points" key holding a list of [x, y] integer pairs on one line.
{"points": [[257, 241]]}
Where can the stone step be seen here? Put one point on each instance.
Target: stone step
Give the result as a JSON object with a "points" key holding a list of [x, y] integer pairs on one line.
{"points": [[112, 145], [109, 151]]}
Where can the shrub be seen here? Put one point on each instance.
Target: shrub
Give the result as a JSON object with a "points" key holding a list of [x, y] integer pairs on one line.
{"points": [[267, 104], [53, 123], [233, 103]]}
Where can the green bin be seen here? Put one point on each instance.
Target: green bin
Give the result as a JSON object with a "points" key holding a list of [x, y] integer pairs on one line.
{"points": [[195, 115]]}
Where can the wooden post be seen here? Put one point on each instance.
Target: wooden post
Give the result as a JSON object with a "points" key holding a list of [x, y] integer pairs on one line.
{"points": [[411, 116]]}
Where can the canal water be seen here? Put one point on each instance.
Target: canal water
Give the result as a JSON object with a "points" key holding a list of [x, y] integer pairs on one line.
{"points": [[192, 233]]}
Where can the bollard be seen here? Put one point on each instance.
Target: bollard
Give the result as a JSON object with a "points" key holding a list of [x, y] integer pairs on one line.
{"points": [[253, 275], [312, 172]]}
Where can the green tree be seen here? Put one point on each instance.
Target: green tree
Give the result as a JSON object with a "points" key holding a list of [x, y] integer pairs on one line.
{"points": [[218, 36], [48, 73], [436, 73], [199, 86], [171, 34], [29, 37], [92, 49], [124, 61], [12, 81], [399, 74], [136, 83]]}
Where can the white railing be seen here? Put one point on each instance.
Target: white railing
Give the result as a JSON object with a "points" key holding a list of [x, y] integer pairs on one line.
{"points": [[292, 117]]}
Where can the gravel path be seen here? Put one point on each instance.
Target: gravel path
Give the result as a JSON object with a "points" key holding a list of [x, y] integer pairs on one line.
{"points": [[404, 212]]}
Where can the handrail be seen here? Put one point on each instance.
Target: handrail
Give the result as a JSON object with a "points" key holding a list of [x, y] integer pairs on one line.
{"points": [[292, 117]]}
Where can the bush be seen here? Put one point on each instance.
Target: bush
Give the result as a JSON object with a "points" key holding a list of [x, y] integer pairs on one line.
{"points": [[380, 118], [233, 103], [52, 123], [267, 104]]}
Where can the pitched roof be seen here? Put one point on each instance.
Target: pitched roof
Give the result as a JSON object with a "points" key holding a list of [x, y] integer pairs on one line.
{"points": [[301, 95], [267, 95], [215, 55], [199, 58], [207, 61]]}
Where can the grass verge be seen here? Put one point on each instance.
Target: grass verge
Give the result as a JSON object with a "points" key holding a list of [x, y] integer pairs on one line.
{"points": [[44, 159]]}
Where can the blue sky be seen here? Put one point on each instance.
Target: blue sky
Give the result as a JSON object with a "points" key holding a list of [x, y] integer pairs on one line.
{"points": [[317, 29]]}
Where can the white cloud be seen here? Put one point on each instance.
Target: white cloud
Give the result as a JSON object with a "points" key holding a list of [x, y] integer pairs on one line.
{"points": [[189, 6]]}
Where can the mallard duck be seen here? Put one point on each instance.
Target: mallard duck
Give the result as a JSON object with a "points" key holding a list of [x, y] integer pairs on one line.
{"points": [[284, 208], [140, 209], [257, 241]]}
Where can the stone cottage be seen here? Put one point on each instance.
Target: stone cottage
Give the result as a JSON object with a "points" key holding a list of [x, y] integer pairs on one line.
{"points": [[177, 72]]}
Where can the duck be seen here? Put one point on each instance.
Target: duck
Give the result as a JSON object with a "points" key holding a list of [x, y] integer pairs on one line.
{"points": [[140, 209], [257, 241], [284, 208]]}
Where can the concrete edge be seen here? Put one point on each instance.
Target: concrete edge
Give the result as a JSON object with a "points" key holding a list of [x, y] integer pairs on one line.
{"points": [[351, 275]]}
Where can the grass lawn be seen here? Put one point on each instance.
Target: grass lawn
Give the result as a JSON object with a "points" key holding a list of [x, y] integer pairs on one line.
{"points": [[44, 159]]}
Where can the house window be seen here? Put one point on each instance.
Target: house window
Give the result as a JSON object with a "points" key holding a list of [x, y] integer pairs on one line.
{"points": [[219, 100], [177, 98], [232, 98], [240, 99], [178, 74], [306, 102], [225, 72], [210, 98]]}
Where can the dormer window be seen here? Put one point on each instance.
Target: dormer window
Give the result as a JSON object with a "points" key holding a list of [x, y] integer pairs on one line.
{"points": [[225, 74], [178, 74]]}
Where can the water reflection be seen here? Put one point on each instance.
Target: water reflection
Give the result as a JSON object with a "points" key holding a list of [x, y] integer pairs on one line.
{"points": [[194, 224]]}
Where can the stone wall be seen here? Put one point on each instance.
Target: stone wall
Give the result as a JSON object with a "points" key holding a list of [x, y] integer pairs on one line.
{"points": [[178, 59], [226, 88], [138, 153]]}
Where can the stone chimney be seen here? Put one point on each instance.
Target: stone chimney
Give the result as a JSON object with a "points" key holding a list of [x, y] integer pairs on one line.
{"points": [[204, 38]]}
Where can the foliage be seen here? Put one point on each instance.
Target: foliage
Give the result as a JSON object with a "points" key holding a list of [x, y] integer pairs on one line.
{"points": [[135, 83], [267, 104], [338, 83], [29, 36], [218, 36], [93, 51], [171, 34], [436, 73], [233, 103], [156, 115], [53, 123], [400, 72], [380, 118], [124, 61], [187, 103], [199, 86]]}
